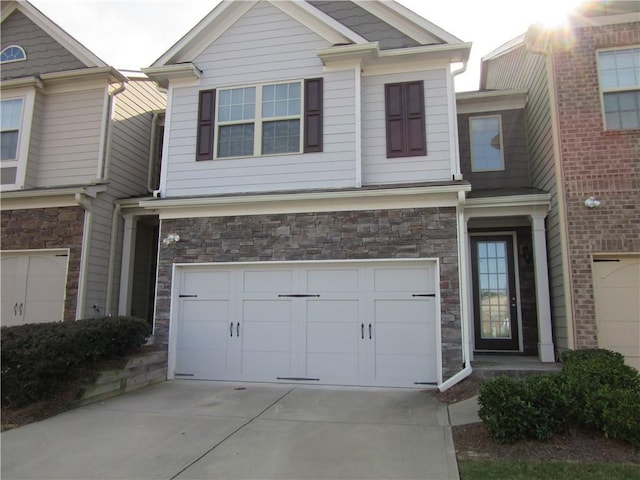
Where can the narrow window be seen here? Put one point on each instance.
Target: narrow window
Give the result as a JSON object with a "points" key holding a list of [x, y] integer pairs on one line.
{"points": [[405, 119], [619, 73], [12, 53], [10, 120], [486, 144]]}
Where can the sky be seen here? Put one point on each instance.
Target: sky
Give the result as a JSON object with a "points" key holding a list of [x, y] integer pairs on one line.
{"points": [[132, 34]]}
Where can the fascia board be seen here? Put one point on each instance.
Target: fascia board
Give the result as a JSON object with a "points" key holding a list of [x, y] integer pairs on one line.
{"points": [[507, 205], [58, 34], [453, 52], [491, 101], [391, 198], [109, 73], [506, 47], [21, 82], [408, 22], [47, 198], [164, 74]]}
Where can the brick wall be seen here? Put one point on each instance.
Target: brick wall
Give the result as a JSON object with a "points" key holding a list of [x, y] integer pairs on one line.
{"points": [[409, 233], [596, 163], [42, 228]]}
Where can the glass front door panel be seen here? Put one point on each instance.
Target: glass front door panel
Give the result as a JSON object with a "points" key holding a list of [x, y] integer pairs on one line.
{"points": [[493, 284]]}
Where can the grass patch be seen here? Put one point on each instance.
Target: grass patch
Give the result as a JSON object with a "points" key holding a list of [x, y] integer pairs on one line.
{"points": [[531, 470]]}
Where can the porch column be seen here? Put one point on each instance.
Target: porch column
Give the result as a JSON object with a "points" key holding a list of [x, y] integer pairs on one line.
{"points": [[543, 302], [126, 270]]}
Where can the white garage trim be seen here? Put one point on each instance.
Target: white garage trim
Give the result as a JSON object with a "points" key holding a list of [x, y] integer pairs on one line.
{"points": [[384, 360]]}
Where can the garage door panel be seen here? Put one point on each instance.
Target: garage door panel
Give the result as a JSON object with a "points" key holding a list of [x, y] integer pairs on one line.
{"points": [[334, 280], [274, 281], [266, 336], [403, 280], [207, 281], [332, 367], [266, 365], [620, 334], [412, 311], [344, 338], [333, 311], [407, 369], [409, 338], [266, 310]]}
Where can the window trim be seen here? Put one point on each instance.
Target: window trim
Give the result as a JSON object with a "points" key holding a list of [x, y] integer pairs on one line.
{"points": [[258, 120], [471, 155], [24, 54], [24, 136], [603, 91]]}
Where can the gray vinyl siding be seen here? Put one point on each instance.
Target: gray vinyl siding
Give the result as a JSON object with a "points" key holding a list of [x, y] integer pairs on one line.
{"points": [[130, 137], [265, 45], [436, 165], [44, 54], [522, 69], [34, 139], [70, 138]]}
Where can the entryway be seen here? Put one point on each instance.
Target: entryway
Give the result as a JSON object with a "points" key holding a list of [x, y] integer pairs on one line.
{"points": [[338, 323]]}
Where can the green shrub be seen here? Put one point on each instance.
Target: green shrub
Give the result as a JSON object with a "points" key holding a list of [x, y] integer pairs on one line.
{"points": [[38, 359], [514, 409], [594, 390]]}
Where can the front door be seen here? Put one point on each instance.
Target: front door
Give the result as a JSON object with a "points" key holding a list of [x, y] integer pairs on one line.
{"points": [[494, 292]]}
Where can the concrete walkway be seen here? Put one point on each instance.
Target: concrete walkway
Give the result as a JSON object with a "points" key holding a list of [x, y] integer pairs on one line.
{"points": [[198, 430]]}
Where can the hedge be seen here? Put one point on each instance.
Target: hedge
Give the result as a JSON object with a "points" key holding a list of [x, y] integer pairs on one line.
{"points": [[40, 359], [594, 390]]}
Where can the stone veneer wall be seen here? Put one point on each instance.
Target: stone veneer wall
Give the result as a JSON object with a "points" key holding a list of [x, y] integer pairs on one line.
{"points": [[388, 234], [43, 228], [596, 163]]}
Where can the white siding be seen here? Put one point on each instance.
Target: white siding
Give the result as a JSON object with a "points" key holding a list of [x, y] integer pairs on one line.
{"points": [[265, 45], [70, 138], [436, 165], [522, 69]]}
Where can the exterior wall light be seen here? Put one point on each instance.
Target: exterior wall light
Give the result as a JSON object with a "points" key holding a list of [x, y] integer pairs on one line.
{"points": [[592, 202], [171, 238]]}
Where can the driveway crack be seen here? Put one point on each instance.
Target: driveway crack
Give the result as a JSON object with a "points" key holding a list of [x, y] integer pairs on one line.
{"points": [[216, 445]]}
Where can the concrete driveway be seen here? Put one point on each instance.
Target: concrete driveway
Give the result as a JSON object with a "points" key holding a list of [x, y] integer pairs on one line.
{"points": [[208, 430]]}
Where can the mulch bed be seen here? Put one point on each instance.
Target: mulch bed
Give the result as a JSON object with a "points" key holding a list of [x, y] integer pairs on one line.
{"points": [[586, 446]]}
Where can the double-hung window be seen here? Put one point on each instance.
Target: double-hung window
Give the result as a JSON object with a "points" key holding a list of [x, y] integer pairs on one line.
{"points": [[486, 143], [15, 124], [266, 119], [619, 74]]}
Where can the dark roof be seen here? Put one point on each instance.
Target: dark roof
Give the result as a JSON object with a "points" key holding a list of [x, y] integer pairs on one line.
{"points": [[365, 24]]}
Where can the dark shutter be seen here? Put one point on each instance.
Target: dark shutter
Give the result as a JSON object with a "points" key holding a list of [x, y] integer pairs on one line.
{"points": [[405, 122], [206, 124], [313, 115]]}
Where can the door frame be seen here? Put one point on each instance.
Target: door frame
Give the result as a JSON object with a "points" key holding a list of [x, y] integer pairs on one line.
{"points": [[177, 277], [516, 284]]}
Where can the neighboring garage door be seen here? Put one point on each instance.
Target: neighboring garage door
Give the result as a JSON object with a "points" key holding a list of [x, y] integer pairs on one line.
{"points": [[616, 285], [330, 323], [33, 286]]}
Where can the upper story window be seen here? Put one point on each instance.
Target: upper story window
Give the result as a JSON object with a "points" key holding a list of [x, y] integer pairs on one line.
{"points": [[15, 126], [405, 119], [264, 119], [12, 53], [486, 143], [619, 73]]}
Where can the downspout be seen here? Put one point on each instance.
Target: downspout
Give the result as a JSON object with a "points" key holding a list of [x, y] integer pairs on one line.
{"points": [[559, 174], [115, 219], [462, 263], [105, 133], [457, 174], [463, 270], [84, 254]]}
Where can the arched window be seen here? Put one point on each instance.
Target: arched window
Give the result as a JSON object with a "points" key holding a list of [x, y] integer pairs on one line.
{"points": [[12, 53]]}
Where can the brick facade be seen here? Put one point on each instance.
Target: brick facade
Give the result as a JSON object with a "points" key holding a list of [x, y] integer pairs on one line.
{"points": [[43, 228], [595, 163], [388, 234]]}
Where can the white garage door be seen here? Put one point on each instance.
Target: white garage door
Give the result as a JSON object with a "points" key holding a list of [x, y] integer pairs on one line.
{"points": [[33, 286], [616, 285], [330, 323]]}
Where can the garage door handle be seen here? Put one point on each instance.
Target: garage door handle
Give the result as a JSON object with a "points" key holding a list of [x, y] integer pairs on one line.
{"points": [[238, 329], [369, 331], [298, 295], [15, 309], [362, 330], [231, 329]]}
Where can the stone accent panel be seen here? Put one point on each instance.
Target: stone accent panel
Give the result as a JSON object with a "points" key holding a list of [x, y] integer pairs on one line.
{"points": [[598, 163], [42, 228], [379, 234]]}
